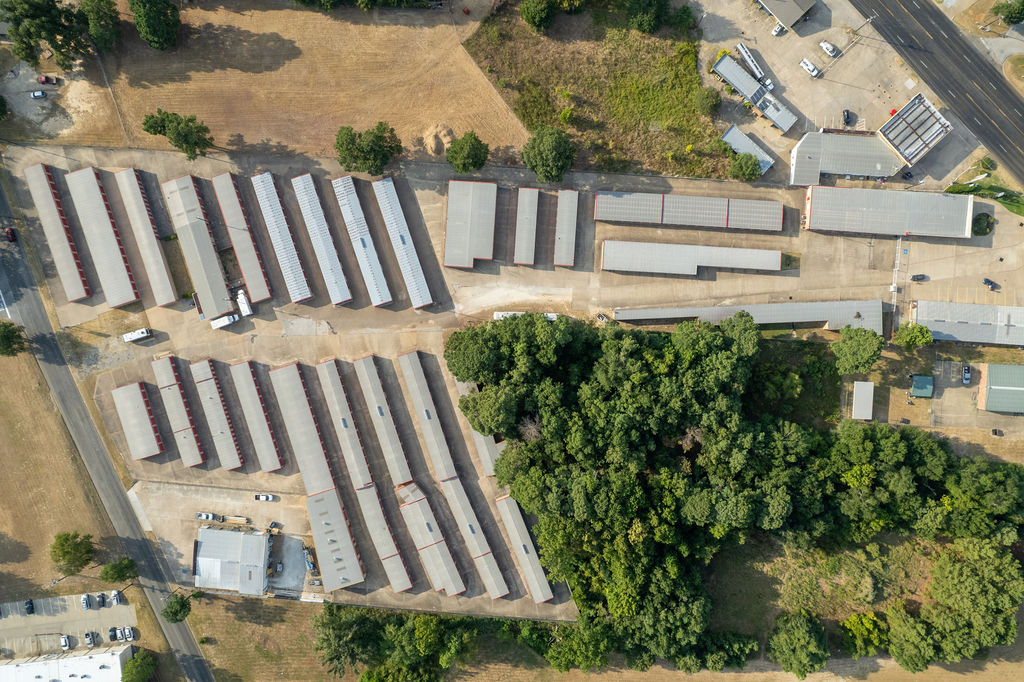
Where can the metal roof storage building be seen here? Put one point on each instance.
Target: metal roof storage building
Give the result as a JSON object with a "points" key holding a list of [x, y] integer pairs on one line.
{"points": [[136, 415], [999, 325], [852, 153], [320, 236], [1001, 388], [741, 143], [426, 535], [526, 226], [383, 422], [240, 232], [629, 207], [473, 535], [280, 237], [189, 219], [486, 449], [362, 243], [426, 415], [211, 399], [140, 217], [301, 428], [383, 541], [863, 399], [179, 416], [681, 210], [565, 227], [889, 212], [243, 375], [683, 259], [339, 559], [231, 560], [523, 549], [57, 233], [105, 247], [96, 665], [835, 314], [787, 12], [401, 241], [469, 224], [915, 129], [755, 93]]}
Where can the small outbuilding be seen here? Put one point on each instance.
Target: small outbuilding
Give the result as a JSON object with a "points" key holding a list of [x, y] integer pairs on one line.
{"points": [[863, 399], [1001, 388], [232, 560], [922, 386]]}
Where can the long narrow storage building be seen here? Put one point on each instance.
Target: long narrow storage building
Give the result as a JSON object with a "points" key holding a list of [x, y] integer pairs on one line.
{"points": [[57, 232], [426, 535], [683, 259], [524, 550], [401, 241], [281, 237], [362, 243], [243, 376], [140, 218], [197, 246], [565, 228], [383, 422], [136, 415], [179, 416], [679, 210], [211, 399], [526, 226], [320, 236], [486, 448], [102, 238], [240, 233], [469, 223]]}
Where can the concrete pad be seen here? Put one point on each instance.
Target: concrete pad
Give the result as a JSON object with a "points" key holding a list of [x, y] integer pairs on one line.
{"points": [[30, 635]]}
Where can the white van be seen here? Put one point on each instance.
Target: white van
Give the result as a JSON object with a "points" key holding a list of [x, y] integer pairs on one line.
{"points": [[222, 322], [244, 306], [137, 335]]}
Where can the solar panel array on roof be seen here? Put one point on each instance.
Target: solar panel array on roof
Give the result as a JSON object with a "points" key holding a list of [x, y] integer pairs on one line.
{"points": [[344, 424], [240, 233], [362, 243], [523, 550], [140, 217], [473, 535], [383, 540], [401, 240], [469, 223], [212, 401], [335, 551], [301, 427], [57, 232], [972, 322], [679, 209], [383, 423], [565, 227], [426, 535], [915, 129], [526, 226], [889, 212], [683, 259], [101, 236], [320, 236], [281, 237], [835, 314], [486, 449], [190, 224], [755, 93], [179, 416], [426, 415], [243, 375], [136, 415]]}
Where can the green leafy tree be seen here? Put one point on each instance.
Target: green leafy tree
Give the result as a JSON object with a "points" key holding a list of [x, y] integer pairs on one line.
{"points": [[745, 166], [549, 153], [157, 22], [910, 643], [1012, 12], [140, 668], [798, 644], [12, 335], [186, 133], [647, 16], [368, 151], [857, 349], [539, 14], [104, 23], [58, 24], [706, 100], [122, 570], [177, 608], [912, 335], [468, 153], [864, 634], [71, 552]]}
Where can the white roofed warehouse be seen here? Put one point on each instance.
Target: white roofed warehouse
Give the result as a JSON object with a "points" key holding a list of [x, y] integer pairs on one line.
{"points": [[891, 213], [469, 225], [232, 560], [136, 415]]}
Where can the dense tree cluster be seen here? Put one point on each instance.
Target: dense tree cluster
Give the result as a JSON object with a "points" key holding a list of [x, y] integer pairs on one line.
{"points": [[71, 552], [368, 151], [1012, 11], [122, 570], [549, 153], [912, 335], [60, 25], [468, 153], [186, 133], [157, 22], [857, 349], [12, 334], [745, 166]]}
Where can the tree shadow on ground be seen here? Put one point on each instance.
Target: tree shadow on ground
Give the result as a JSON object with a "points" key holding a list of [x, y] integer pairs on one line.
{"points": [[250, 157], [255, 611], [12, 551]]}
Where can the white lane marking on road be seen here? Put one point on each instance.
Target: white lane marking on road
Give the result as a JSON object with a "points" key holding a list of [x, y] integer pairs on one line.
{"points": [[976, 120], [916, 5], [991, 86], [967, 59], [3, 301], [943, 34], [1018, 113]]}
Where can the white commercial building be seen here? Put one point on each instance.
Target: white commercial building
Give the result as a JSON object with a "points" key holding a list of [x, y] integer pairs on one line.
{"points": [[232, 560], [362, 243], [469, 223], [401, 241], [320, 236], [96, 665]]}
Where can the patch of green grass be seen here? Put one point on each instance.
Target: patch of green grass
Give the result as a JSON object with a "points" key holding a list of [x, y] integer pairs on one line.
{"points": [[533, 105], [743, 593], [816, 399]]}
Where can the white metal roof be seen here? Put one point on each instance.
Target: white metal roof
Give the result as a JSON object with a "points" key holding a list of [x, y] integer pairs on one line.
{"points": [[972, 322], [101, 237], [383, 422], [426, 535], [320, 236], [189, 219], [383, 540], [486, 449], [362, 243], [915, 129], [469, 224], [212, 401], [863, 399], [401, 241], [137, 421], [523, 550], [426, 415], [473, 535], [140, 217], [240, 232], [232, 560], [856, 153], [57, 233], [300, 425], [889, 212], [565, 227], [179, 416], [344, 425], [742, 143], [255, 412], [698, 211], [679, 209], [683, 259], [281, 237], [835, 314], [100, 664], [526, 226], [335, 551]]}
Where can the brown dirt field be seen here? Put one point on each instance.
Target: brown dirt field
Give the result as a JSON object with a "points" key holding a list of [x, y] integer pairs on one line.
{"points": [[980, 14], [1013, 69]]}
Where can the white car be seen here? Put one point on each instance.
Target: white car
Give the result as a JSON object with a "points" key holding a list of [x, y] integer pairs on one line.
{"points": [[830, 49], [90, 640], [65, 642], [810, 68], [115, 597], [129, 633], [205, 516], [779, 28], [264, 497]]}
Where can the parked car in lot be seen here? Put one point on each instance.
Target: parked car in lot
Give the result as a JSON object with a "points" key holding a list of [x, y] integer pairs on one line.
{"points": [[778, 30], [264, 497], [65, 642], [989, 283], [120, 635], [810, 68], [918, 278], [207, 516], [90, 639], [45, 80], [847, 117], [112, 634], [37, 94], [115, 597], [30, 608], [101, 600], [906, 175], [967, 374], [830, 49], [129, 633], [86, 602]]}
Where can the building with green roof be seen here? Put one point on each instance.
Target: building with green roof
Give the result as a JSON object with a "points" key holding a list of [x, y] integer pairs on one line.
{"points": [[1001, 388]]}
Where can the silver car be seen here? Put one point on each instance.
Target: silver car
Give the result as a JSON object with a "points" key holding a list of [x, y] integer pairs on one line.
{"points": [[830, 49], [810, 68]]}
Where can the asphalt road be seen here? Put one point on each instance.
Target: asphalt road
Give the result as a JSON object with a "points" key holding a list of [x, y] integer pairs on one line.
{"points": [[25, 307], [968, 83]]}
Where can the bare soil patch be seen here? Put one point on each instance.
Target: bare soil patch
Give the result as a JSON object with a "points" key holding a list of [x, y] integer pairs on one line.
{"points": [[1013, 69], [979, 15]]}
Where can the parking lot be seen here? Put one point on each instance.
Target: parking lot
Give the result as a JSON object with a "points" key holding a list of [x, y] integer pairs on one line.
{"points": [[29, 635], [956, 404]]}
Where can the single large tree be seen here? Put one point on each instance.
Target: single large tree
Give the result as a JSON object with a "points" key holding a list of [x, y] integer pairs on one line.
{"points": [[12, 338], [177, 609], [140, 668], [745, 166], [54, 22], [798, 644], [184, 132], [468, 153], [539, 14], [104, 23], [368, 151], [912, 335], [549, 153], [71, 552], [1012, 12], [857, 349], [157, 22], [122, 570]]}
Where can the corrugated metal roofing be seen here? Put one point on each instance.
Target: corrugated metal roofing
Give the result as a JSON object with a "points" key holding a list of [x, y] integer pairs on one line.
{"points": [[212, 401], [742, 143], [240, 232], [335, 551], [401, 241], [473, 535], [281, 237], [1003, 388], [758, 95], [426, 416], [383, 540], [230, 560], [300, 425], [344, 425], [565, 227], [320, 236], [526, 226], [469, 224], [863, 399], [179, 416], [523, 550], [835, 314], [628, 207], [189, 219], [972, 322], [854, 154], [383, 422], [255, 412], [683, 259], [787, 12], [889, 212], [677, 209], [486, 449], [140, 217], [915, 129], [362, 243], [58, 235], [137, 421], [426, 535], [701, 211]]}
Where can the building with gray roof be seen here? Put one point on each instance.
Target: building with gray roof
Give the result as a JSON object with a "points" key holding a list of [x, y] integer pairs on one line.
{"points": [[674, 210], [787, 12], [429, 541], [136, 416], [320, 237], [362, 242], [382, 539], [57, 232], [426, 416], [211, 400], [250, 397], [863, 400], [850, 153], [335, 551], [683, 259], [998, 325], [179, 415], [383, 422], [526, 226], [281, 237], [301, 427], [889, 212], [140, 218], [755, 93], [473, 535], [565, 228], [834, 314], [523, 549], [1001, 388], [402, 243], [240, 233], [915, 129], [232, 560], [742, 143], [344, 424], [469, 223]]}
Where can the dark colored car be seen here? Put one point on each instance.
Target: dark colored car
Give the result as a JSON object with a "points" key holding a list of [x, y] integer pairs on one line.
{"points": [[101, 600], [30, 608], [967, 374], [10, 234], [907, 175], [918, 278], [989, 283], [112, 634], [847, 117], [45, 80]]}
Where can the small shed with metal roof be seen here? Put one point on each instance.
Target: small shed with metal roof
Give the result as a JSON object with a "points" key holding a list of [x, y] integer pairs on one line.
{"points": [[1001, 388]]}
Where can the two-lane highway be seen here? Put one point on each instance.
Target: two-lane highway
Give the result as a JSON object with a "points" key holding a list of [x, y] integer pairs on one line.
{"points": [[966, 81]]}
